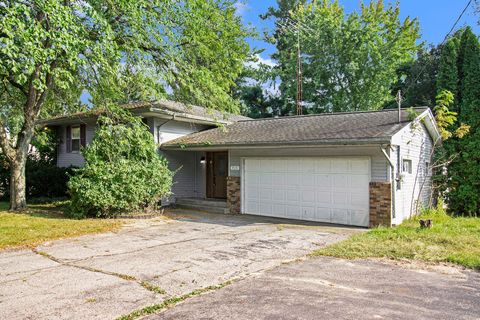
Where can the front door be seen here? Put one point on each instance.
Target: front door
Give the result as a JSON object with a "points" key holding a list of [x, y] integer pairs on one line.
{"points": [[217, 171]]}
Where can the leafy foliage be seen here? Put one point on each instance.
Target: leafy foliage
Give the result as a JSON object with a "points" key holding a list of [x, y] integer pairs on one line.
{"points": [[40, 169], [464, 171], [122, 172], [417, 80], [349, 60], [51, 51]]}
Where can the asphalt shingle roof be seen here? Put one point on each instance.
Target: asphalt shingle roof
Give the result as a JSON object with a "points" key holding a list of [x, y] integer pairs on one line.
{"points": [[167, 105], [335, 128]]}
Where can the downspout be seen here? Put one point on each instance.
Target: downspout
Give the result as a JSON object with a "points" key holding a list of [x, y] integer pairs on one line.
{"points": [[392, 177]]}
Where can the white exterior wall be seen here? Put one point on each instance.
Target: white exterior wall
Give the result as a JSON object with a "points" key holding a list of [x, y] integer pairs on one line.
{"points": [[67, 159], [165, 130], [190, 177], [380, 170], [416, 145]]}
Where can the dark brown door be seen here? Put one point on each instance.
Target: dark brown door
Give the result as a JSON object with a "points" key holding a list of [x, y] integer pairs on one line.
{"points": [[217, 171]]}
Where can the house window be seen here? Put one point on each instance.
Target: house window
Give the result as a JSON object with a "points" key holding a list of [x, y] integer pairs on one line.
{"points": [[407, 166], [75, 139]]}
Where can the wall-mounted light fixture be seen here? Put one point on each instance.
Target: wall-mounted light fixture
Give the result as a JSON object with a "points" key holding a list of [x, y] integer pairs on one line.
{"points": [[203, 160]]}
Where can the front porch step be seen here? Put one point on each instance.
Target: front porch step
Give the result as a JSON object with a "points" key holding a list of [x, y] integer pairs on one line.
{"points": [[209, 205]]}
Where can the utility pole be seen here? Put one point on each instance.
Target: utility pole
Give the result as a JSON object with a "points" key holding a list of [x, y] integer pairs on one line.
{"points": [[299, 75], [399, 100]]}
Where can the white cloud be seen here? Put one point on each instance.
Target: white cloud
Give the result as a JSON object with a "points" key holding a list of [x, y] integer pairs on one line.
{"points": [[241, 7], [260, 60]]}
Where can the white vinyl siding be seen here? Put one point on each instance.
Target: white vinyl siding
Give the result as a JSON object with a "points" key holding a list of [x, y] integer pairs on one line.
{"points": [[326, 189], [165, 130], [75, 158], [379, 166], [415, 149], [189, 180]]}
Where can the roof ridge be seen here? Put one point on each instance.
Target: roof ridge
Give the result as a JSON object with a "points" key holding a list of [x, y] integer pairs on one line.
{"points": [[331, 114]]}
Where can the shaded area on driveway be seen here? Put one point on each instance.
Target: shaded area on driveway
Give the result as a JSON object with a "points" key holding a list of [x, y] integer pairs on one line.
{"points": [[107, 275], [329, 288]]}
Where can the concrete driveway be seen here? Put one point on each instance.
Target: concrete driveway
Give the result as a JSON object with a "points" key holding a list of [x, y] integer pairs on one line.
{"points": [[108, 275], [327, 288]]}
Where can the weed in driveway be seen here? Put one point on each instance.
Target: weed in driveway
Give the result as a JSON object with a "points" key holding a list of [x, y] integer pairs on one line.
{"points": [[153, 288], [154, 308]]}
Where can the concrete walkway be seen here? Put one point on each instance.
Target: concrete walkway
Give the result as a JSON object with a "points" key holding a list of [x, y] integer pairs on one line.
{"points": [[108, 275], [327, 288]]}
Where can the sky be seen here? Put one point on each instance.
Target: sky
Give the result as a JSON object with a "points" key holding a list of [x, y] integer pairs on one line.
{"points": [[436, 18]]}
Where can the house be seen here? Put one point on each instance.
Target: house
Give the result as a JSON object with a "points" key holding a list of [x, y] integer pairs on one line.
{"points": [[359, 168]]}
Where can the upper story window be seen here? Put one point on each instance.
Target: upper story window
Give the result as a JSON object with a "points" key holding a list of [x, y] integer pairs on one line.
{"points": [[75, 138], [407, 166]]}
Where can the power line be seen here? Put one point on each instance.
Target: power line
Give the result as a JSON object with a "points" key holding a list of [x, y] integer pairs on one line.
{"points": [[442, 43]]}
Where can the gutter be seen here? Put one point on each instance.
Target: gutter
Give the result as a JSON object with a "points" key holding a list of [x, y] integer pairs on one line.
{"points": [[372, 142], [187, 116]]}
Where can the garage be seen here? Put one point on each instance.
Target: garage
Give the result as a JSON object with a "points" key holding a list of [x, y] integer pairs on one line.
{"points": [[321, 189]]}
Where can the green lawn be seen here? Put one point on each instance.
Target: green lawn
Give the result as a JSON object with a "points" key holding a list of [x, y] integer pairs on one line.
{"points": [[455, 240], [41, 223]]}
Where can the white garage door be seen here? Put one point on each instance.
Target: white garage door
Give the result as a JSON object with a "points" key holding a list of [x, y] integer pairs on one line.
{"points": [[333, 190]]}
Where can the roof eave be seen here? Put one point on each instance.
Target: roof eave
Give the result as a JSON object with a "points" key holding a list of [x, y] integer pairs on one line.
{"points": [[330, 142]]}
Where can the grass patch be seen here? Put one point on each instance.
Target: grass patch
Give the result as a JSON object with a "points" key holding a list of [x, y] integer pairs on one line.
{"points": [[170, 302], [153, 288], [451, 239], [40, 223]]}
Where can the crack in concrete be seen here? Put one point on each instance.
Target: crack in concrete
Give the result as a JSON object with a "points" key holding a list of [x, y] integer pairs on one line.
{"points": [[144, 284]]}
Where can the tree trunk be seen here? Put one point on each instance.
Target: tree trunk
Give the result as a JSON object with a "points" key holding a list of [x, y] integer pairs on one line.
{"points": [[18, 199]]}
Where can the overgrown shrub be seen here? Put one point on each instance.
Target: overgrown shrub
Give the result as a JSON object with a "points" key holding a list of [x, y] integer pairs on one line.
{"points": [[123, 171]]}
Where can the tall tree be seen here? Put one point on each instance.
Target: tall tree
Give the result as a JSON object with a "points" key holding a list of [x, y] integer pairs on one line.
{"points": [[448, 70], [51, 51], [464, 171], [349, 60], [417, 80]]}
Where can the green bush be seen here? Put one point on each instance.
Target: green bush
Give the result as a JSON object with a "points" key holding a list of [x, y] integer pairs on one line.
{"points": [[123, 171], [43, 179]]}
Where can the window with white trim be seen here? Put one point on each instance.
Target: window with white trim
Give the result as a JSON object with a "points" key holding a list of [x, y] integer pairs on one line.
{"points": [[407, 166]]}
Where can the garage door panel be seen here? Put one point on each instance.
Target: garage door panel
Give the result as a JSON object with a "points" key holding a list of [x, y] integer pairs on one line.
{"points": [[340, 198], [324, 197], [278, 179], [293, 212], [308, 213], [323, 181], [308, 196], [308, 179], [266, 208], [251, 193], [279, 195], [331, 190], [323, 214], [359, 218], [359, 166], [265, 194], [340, 181], [358, 181], [340, 166], [340, 216], [323, 165], [293, 195]]}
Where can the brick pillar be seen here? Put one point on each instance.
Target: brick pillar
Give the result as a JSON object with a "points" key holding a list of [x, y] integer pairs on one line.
{"points": [[233, 195], [380, 204]]}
